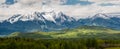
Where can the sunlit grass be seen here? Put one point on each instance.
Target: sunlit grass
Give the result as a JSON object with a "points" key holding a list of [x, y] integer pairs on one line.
{"points": [[113, 48], [72, 33]]}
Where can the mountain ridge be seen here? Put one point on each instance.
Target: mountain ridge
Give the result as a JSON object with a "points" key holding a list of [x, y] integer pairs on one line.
{"points": [[50, 16], [51, 21]]}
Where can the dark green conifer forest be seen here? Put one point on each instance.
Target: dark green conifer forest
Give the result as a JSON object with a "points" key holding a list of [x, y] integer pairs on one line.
{"points": [[27, 43]]}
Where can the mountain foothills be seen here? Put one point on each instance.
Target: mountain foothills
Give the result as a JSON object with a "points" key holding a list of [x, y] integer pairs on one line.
{"points": [[52, 21], [79, 32]]}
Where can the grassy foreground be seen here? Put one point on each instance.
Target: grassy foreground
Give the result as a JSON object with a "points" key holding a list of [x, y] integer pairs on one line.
{"points": [[113, 48]]}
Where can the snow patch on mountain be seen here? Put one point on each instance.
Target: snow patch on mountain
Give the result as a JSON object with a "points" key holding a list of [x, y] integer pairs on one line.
{"points": [[49, 16], [100, 15], [114, 15], [14, 18]]}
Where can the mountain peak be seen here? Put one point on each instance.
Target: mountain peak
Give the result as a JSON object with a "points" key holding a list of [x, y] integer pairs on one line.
{"points": [[101, 15], [49, 15]]}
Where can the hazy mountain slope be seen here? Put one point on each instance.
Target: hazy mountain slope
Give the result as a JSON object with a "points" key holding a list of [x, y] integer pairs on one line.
{"points": [[36, 22]]}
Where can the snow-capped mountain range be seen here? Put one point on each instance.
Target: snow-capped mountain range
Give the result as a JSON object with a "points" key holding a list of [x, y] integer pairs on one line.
{"points": [[50, 16], [52, 21]]}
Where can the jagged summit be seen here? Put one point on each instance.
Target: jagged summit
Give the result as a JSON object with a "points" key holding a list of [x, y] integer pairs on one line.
{"points": [[53, 16], [101, 15], [42, 16]]}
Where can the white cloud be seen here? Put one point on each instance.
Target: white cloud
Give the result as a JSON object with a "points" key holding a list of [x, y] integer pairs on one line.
{"points": [[2, 1], [48, 2], [29, 6], [102, 0], [105, 1]]}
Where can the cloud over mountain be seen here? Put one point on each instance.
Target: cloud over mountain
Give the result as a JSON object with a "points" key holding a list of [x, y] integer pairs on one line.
{"points": [[2, 1], [30, 6]]}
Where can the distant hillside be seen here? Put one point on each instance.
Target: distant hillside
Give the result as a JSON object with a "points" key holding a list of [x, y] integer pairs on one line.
{"points": [[80, 32]]}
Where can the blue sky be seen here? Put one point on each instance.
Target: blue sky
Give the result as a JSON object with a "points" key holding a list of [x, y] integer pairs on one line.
{"points": [[9, 2], [73, 2], [70, 2]]}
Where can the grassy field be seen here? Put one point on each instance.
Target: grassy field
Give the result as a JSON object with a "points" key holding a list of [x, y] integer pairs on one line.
{"points": [[80, 32], [113, 48]]}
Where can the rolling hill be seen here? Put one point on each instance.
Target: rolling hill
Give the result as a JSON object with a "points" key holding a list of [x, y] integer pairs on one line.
{"points": [[79, 32]]}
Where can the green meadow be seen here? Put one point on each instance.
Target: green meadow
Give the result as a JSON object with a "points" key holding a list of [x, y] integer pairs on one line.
{"points": [[113, 48], [80, 32]]}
